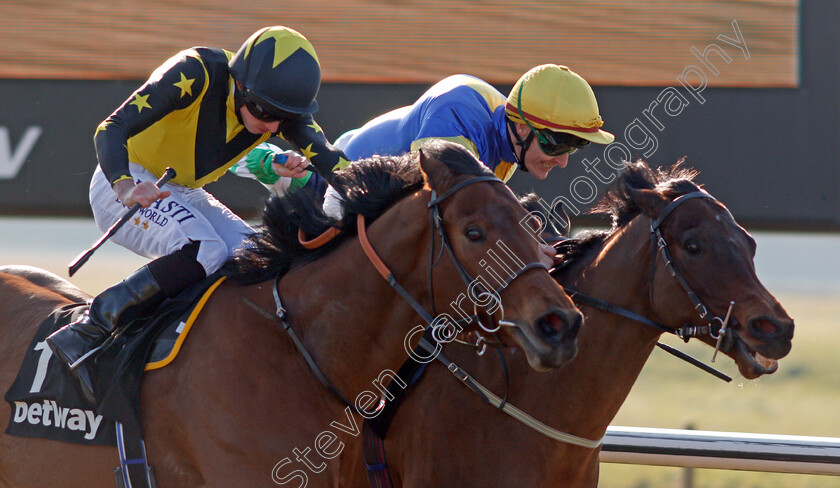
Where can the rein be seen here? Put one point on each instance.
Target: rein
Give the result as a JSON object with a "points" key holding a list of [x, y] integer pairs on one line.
{"points": [[604, 306]]}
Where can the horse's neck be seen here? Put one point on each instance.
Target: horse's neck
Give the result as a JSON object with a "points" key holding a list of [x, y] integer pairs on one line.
{"points": [[612, 350], [348, 315]]}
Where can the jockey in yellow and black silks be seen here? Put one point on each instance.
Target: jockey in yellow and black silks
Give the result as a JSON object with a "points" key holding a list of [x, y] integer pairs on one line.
{"points": [[201, 113]]}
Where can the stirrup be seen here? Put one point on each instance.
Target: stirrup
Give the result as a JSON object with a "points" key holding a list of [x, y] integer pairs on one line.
{"points": [[96, 350]]}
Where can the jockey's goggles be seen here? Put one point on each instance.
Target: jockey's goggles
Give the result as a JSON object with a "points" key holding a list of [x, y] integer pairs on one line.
{"points": [[261, 112], [558, 143]]}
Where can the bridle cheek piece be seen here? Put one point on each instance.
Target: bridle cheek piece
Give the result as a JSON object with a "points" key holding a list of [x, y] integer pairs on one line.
{"points": [[658, 244]]}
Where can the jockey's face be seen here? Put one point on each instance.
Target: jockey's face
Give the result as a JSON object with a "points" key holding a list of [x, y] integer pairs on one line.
{"points": [[255, 125], [536, 161]]}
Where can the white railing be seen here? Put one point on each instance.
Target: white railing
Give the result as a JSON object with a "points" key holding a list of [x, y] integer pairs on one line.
{"points": [[722, 450]]}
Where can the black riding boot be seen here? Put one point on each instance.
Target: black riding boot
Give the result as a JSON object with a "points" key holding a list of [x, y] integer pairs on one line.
{"points": [[110, 312]]}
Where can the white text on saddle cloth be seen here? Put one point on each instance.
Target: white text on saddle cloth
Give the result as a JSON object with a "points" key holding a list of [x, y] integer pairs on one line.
{"points": [[50, 414]]}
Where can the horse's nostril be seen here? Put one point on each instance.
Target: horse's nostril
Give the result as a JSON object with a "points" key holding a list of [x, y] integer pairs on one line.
{"points": [[559, 326], [555, 326], [764, 326]]}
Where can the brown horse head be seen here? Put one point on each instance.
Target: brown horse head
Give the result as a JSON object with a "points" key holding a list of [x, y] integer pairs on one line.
{"points": [[711, 266], [482, 223]]}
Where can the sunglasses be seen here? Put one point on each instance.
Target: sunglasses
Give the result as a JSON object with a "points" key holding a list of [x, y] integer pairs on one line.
{"points": [[258, 112], [558, 143]]}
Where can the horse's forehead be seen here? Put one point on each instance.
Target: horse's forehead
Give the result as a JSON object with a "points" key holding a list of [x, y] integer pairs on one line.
{"points": [[491, 200], [493, 194], [710, 215]]}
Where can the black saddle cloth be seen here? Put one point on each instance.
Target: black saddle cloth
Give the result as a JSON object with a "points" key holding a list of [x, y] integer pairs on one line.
{"points": [[46, 400]]}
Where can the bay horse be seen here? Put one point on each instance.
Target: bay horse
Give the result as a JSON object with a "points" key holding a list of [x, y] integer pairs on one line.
{"points": [[444, 435], [240, 401]]}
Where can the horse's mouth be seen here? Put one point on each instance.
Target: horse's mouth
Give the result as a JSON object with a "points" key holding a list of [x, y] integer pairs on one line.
{"points": [[751, 363]]}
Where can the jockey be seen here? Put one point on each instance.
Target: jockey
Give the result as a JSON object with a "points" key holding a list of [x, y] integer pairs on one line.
{"points": [[549, 103], [549, 114], [201, 112]]}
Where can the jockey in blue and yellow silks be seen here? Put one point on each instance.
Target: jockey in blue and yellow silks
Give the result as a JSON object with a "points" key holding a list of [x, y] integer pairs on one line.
{"points": [[550, 105], [460, 108]]}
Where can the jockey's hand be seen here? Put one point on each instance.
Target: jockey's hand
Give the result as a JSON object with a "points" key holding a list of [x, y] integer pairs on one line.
{"points": [[145, 193], [290, 164], [548, 255]]}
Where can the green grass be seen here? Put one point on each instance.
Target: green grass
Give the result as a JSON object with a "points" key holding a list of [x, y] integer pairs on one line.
{"points": [[801, 398]]}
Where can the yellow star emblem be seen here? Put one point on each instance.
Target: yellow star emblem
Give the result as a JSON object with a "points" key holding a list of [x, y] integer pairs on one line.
{"points": [[308, 152], [103, 126], [137, 221], [314, 126], [342, 163], [185, 85], [140, 102], [146, 224], [286, 42]]}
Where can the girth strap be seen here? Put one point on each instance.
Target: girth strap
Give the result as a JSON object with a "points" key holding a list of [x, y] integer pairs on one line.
{"points": [[373, 449], [134, 470]]}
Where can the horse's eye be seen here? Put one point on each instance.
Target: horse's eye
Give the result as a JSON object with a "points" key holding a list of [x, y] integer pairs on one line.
{"points": [[474, 234], [691, 246]]}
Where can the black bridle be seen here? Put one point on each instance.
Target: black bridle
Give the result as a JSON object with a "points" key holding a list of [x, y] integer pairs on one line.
{"points": [[658, 242], [660, 246], [436, 222], [376, 425]]}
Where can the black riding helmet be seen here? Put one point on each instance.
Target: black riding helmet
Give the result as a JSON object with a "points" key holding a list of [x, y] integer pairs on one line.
{"points": [[279, 72]]}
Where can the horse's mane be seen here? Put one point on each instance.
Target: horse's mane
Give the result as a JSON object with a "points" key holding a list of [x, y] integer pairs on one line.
{"points": [[620, 208], [368, 187]]}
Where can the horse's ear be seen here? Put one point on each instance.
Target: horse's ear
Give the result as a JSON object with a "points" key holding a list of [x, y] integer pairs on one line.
{"points": [[650, 202], [436, 174]]}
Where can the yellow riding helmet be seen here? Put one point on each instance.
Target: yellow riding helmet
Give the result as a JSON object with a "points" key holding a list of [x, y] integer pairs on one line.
{"points": [[554, 97]]}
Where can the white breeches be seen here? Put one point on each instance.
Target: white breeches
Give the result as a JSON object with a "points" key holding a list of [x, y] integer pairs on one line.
{"points": [[188, 214]]}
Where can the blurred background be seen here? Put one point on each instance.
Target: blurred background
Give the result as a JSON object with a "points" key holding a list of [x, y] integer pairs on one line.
{"points": [[745, 90]]}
